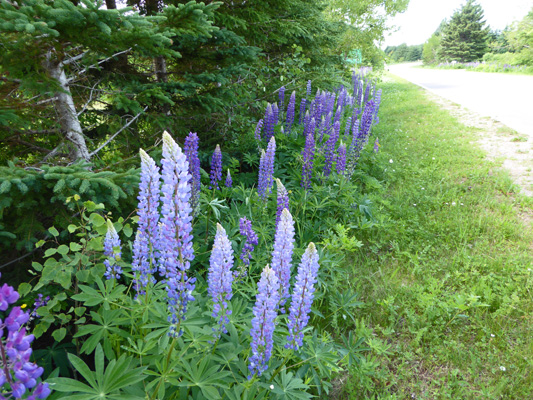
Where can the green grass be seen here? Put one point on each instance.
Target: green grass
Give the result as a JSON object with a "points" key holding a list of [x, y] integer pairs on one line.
{"points": [[447, 278]]}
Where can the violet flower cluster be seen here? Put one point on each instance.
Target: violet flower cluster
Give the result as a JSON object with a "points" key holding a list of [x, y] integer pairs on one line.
{"points": [[302, 297], [269, 123], [145, 245], [250, 239], [257, 132], [18, 376], [263, 322], [176, 230], [266, 170], [190, 149], [308, 159], [220, 278], [283, 200], [281, 95], [289, 120], [112, 252], [282, 254], [341, 159], [229, 181], [216, 168]]}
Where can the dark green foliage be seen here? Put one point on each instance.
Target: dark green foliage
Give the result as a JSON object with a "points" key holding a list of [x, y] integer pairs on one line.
{"points": [[32, 199], [465, 37]]}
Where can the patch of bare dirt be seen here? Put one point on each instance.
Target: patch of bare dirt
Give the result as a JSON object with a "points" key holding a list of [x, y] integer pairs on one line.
{"points": [[499, 141]]}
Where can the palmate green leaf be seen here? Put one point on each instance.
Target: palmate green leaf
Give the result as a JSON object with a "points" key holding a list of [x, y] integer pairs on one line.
{"points": [[202, 374], [287, 386], [105, 383]]}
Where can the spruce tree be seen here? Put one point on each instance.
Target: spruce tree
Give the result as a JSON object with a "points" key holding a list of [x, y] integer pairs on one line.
{"points": [[465, 37]]}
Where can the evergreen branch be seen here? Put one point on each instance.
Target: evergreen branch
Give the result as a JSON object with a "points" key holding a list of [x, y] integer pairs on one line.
{"points": [[116, 133]]}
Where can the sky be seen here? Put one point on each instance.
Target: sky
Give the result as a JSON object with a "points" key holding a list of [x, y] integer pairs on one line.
{"points": [[423, 17]]}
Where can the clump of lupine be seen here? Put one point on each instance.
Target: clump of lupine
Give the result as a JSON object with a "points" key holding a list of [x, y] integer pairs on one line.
{"points": [[174, 251], [215, 175], [18, 376], [323, 117]]}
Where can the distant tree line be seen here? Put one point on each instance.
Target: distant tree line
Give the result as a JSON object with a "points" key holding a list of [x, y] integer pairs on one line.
{"points": [[403, 52]]}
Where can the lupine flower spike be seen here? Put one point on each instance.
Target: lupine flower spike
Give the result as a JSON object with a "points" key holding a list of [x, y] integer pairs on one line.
{"points": [[112, 252], [282, 254], [251, 240], [216, 168], [283, 200], [266, 170], [229, 181], [220, 278], [17, 374], [308, 158], [302, 297], [263, 322], [176, 230], [341, 159], [191, 152], [376, 146], [145, 245]]}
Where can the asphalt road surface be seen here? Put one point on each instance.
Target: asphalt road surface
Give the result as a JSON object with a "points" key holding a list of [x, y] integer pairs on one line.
{"points": [[506, 98]]}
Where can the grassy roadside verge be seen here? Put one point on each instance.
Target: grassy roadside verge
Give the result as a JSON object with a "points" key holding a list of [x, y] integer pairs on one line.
{"points": [[447, 280]]}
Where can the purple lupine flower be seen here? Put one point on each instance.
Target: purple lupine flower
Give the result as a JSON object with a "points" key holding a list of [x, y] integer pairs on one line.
{"points": [[176, 230], [308, 158], [141, 265], [338, 114], [257, 133], [17, 374], [308, 92], [266, 170], [303, 105], [275, 113], [281, 95], [216, 168], [348, 127], [307, 119], [366, 121], [341, 159], [269, 123], [263, 322], [376, 146], [377, 102], [290, 113], [323, 129], [282, 254], [283, 200], [190, 148], [302, 297], [113, 252], [144, 251], [250, 239], [330, 149], [310, 127], [229, 181], [220, 278]]}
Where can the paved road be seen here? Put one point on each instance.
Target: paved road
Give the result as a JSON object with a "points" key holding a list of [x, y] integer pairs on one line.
{"points": [[504, 97]]}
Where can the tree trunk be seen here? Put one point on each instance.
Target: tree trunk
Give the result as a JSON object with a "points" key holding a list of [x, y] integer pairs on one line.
{"points": [[66, 110]]}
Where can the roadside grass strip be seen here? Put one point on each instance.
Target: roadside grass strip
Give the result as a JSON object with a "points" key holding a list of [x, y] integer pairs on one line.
{"points": [[447, 278]]}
